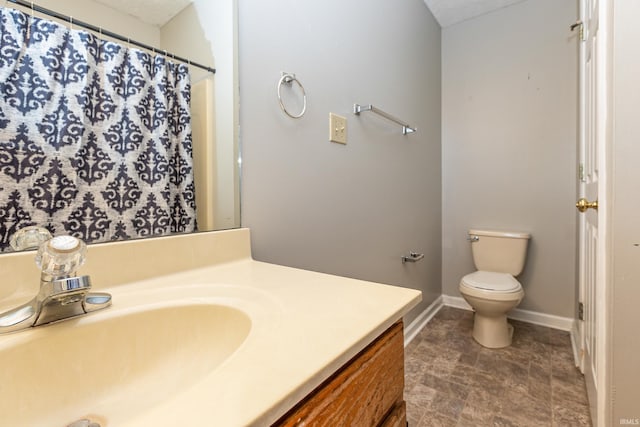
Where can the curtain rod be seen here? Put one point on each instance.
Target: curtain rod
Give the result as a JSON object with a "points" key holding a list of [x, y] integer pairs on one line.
{"points": [[102, 31]]}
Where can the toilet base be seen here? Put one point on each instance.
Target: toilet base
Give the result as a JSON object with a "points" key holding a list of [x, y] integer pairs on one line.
{"points": [[492, 331]]}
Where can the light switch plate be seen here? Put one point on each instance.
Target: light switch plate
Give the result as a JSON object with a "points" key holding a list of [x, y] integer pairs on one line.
{"points": [[337, 128]]}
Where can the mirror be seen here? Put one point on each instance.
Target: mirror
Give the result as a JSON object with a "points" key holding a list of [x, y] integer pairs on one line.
{"points": [[205, 32]]}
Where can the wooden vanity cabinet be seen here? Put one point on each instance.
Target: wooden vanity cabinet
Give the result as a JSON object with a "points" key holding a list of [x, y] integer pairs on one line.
{"points": [[367, 391]]}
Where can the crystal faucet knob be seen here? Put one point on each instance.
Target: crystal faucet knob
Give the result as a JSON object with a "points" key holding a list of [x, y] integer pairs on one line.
{"points": [[61, 256], [29, 238]]}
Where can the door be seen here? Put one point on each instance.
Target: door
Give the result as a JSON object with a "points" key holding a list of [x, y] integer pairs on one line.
{"points": [[595, 87]]}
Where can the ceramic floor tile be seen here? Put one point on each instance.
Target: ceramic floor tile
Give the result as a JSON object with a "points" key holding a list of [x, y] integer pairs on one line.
{"points": [[453, 381], [500, 366], [435, 335], [469, 358], [418, 400], [480, 408], [562, 391], [433, 419], [493, 385], [567, 373], [522, 407], [459, 342], [450, 313], [463, 374], [447, 405], [571, 415], [539, 389], [413, 369], [559, 338], [524, 356], [445, 386]]}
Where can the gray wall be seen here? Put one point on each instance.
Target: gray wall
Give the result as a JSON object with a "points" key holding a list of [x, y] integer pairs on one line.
{"points": [[509, 106], [354, 209]]}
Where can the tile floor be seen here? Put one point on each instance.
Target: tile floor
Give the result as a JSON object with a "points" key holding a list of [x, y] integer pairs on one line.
{"points": [[450, 380]]}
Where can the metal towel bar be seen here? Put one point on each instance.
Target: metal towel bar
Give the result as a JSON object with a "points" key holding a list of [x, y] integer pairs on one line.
{"points": [[357, 109]]}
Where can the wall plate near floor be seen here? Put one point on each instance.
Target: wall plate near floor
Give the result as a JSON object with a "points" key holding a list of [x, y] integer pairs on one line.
{"points": [[337, 128]]}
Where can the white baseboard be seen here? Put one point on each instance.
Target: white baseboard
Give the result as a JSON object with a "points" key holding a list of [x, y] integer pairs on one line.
{"points": [[542, 319], [411, 330], [456, 302]]}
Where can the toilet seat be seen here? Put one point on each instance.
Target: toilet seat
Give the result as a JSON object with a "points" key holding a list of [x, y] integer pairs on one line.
{"points": [[491, 285]]}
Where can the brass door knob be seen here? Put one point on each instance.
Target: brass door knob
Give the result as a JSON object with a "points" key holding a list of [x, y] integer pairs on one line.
{"points": [[583, 204]]}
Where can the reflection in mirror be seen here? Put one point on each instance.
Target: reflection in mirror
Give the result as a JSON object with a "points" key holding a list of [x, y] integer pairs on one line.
{"points": [[145, 148]]}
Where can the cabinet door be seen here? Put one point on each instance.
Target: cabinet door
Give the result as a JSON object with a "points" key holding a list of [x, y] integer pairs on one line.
{"points": [[397, 418], [362, 393]]}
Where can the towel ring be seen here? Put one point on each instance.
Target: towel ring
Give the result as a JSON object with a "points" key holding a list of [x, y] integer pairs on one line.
{"points": [[288, 79]]}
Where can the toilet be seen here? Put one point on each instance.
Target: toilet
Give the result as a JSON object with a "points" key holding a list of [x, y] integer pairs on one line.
{"points": [[493, 290]]}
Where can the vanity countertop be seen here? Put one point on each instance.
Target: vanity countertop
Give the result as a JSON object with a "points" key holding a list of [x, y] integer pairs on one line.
{"points": [[321, 322], [304, 326]]}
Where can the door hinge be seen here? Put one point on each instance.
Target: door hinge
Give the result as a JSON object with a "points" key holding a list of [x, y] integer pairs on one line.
{"points": [[581, 311], [580, 26]]}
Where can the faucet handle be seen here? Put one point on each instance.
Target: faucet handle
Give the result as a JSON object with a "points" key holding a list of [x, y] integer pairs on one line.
{"points": [[29, 238], [61, 256]]}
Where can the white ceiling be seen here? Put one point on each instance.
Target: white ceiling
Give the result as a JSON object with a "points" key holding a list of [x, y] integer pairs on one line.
{"points": [[155, 12], [450, 12], [447, 12]]}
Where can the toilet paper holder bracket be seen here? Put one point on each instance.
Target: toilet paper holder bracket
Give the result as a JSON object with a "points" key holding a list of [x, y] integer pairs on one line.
{"points": [[412, 257]]}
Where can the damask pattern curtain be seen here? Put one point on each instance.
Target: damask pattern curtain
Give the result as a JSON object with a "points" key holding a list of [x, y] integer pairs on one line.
{"points": [[95, 137]]}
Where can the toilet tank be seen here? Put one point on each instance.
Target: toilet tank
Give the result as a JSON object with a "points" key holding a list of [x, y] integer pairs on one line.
{"points": [[499, 251]]}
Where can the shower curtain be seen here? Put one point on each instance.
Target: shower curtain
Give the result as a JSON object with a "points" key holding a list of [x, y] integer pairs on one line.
{"points": [[95, 137]]}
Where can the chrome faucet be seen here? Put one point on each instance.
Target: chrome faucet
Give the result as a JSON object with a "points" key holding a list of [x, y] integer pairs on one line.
{"points": [[62, 294]]}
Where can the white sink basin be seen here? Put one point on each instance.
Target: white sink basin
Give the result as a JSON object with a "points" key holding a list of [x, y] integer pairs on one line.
{"points": [[124, 361]]}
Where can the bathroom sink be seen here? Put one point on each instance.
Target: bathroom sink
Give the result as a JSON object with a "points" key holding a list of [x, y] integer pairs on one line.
{"points": [[198, 334], [125, 361]]}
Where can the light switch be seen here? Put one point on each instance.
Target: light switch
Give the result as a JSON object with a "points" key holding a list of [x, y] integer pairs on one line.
{"points": [[337, 128]]}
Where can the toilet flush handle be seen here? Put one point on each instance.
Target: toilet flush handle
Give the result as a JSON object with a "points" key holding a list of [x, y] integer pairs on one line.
{"points": [[473, 238]]}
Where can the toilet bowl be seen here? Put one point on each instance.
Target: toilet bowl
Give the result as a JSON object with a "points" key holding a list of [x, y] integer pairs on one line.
{"points": [[493, 291], [492, 295]]}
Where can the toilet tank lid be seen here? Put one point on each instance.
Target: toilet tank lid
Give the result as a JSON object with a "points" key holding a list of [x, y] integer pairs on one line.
{"points": [[509, 234]]}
